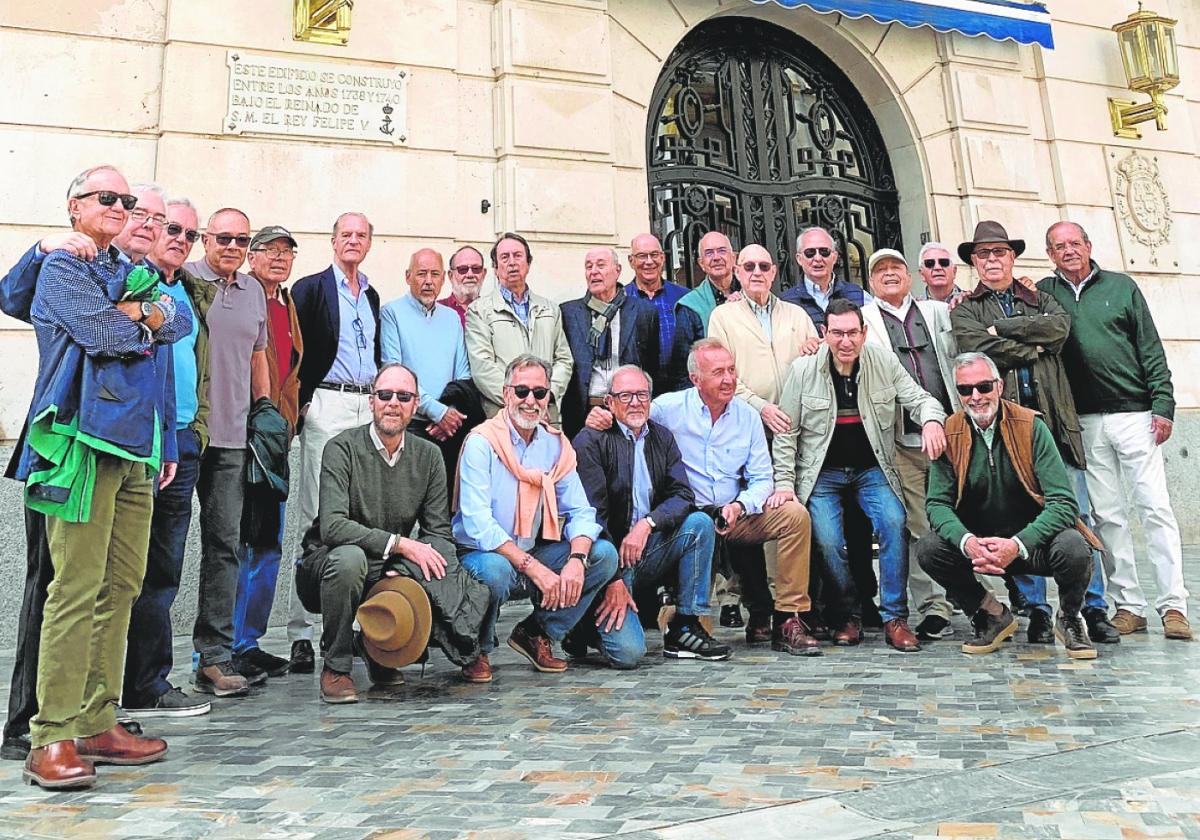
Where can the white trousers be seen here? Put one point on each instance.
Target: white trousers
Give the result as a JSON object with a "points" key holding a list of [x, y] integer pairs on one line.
{"points": [[1122, 457], [329, 413]]}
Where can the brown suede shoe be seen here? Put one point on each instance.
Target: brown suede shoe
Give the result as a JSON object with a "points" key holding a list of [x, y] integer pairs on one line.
{"points": [[1175, 626], [898, 635], [537, 648], [850, 633], [1126, 622], [57, 766], [117, 746], [337, 687], [479, 671]]}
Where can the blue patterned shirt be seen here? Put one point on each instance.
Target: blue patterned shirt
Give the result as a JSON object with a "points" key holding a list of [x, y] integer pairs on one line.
{"points": [[519, 307]]}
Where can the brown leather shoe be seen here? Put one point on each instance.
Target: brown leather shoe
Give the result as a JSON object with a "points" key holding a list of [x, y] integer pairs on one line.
{"points": [[898, 635], [792, 637], [537, 648], [850, 633], [220, 680], [1175, 625], [337, 687], [1127, 622], [758, 631], [117, 746], [479, 671], [57, 766]]}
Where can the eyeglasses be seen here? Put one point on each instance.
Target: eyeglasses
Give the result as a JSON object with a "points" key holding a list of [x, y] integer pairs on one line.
{"points": [[628, 397], [762, 266], [642, 256], [838, 335], [714, 252], [360, 335], [944, 262], [523, 391], [986, 253], [108, 198], [276, 253], [174, 229], [809, 253], [141, 215], [387, 395], [984, 387], [464, 270], [242, 240]]}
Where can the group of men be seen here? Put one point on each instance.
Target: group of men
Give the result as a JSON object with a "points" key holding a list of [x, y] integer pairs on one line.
{"points": [[602, 457]]}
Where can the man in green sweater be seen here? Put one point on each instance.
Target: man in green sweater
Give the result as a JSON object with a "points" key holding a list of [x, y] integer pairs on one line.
{"points": [[1122, 387], [999, 503], [377, 482]]}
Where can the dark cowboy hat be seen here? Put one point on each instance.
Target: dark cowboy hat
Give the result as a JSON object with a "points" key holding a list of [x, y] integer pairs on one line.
{"points": [[395, 618], [989, 231]]}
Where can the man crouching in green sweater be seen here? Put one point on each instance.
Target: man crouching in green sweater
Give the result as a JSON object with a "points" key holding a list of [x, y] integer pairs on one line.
{"points": [[999, 503]]}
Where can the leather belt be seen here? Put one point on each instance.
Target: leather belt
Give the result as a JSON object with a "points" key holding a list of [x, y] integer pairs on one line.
{"points": [[345, 389]]}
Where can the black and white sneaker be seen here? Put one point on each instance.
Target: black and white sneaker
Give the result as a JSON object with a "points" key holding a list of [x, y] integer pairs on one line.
{"points": [[174, 703], [689, 640]]}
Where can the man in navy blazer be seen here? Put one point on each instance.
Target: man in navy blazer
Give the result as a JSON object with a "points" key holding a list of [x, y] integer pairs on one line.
{"points": [[338, 313], [606, 328]]}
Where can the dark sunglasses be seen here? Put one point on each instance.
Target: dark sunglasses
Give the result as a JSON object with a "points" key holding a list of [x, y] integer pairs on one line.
{"points": [[809, 253], [464, 270], [108, 198], [523, 391], [174, 229], [763, 267], [984, 387], [944, 262], [387, 395], [242, 241]]}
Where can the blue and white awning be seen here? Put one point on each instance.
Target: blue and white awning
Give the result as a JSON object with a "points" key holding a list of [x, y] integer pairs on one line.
{"points": [[1025, 23]]}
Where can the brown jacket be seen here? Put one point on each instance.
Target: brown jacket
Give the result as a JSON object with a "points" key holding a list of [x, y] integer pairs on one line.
{"points": [[286, 395]]}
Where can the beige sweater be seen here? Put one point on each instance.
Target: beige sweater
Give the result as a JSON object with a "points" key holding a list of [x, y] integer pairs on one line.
{"points": [[762, 365]]}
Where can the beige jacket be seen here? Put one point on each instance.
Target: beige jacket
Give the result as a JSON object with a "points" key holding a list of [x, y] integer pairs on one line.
{"points": [[495, 336], [808, 399], [762, 365]]}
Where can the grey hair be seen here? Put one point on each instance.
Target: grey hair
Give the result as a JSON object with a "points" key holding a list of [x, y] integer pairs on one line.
{"points": [[81, 179], [396, 366], [137, 189], [1082, 232], [363, 216], [931, 246], [800, 236], [454, 256], [630, 369], [710, 343], [181, 201], [963, 360], [526, 360]]}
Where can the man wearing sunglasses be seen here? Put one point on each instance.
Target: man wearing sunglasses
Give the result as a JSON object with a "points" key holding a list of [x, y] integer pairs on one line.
{"points": [[1000, 503], [239, 374], [1022, 331], [817, 256], [938, 270], [467, 273]]}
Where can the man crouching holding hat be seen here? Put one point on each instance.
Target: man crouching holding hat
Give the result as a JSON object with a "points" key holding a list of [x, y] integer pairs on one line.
{"points": [[377, 482]]}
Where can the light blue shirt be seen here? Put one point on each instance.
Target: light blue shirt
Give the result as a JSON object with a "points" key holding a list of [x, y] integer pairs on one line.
{"points": [[429, 343], [641, 473], [519, 307], [822, 298], [725, 461], [487, 496], [184, 359], [763, 314], [354, 363]]}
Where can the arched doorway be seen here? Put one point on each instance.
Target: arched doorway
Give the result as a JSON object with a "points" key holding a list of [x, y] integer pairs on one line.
{"points": [[756, 133]]}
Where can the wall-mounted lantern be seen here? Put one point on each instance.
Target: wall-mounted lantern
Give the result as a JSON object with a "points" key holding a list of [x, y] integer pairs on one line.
{"points": [[1147, 44], [322, 21]]}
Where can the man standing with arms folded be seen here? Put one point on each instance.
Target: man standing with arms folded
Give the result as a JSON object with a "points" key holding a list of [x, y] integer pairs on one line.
{"points": [[338, 313], [1119, 376]]}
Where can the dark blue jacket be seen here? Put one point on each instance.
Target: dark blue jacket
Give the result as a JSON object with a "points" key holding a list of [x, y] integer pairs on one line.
{"points": [[605, 464], [316, 301], [799, 295], [638, 341]]}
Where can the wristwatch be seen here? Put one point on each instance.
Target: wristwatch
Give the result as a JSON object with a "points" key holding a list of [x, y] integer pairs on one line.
{"points": [[581, 557], [147, 309], [653, 524]]}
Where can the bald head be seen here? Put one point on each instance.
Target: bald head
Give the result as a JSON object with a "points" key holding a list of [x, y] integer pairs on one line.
{"points": [[715, 255], [646, 258], [425, 275], [756, 272]]}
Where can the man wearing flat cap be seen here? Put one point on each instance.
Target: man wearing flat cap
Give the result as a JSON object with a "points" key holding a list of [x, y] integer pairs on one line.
{"points": [[1023, 331], [377, 482]]}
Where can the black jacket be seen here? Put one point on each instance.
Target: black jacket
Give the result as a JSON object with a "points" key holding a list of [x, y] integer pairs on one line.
{"points": [[268, 437], [606, 470], [316, 301]]}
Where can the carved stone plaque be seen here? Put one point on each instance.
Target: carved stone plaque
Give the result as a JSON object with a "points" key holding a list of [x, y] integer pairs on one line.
{"points": [[1143, 211]]}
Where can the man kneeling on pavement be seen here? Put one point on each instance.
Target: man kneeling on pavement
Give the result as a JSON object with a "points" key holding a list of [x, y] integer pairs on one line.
{"points": [[1001, 504], [377, 482]]}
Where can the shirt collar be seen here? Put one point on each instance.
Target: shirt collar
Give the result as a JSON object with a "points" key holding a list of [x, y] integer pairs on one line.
{"points": [[900, 311], [764, 309], [515, 436], [340, 277], [510, 297], [1091, 275], [382, 450], [206, 272], [420, 307], [625, 430]]}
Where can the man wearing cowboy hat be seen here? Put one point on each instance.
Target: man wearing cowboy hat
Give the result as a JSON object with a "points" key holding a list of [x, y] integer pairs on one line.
{"points": [[1023, 331], [377, 482]]}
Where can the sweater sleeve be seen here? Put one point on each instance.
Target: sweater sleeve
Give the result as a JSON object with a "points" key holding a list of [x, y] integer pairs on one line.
{"points": [[940, 493], [337, 528], [1061, 509], [1156, 373]]}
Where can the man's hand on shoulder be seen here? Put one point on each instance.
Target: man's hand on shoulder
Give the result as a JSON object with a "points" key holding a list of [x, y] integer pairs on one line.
{"points": [[77, 244], [599, 419]]}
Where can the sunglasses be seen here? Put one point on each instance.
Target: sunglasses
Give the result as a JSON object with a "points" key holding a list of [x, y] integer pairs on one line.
{"points": [[985, 253], [809, 253], [749, 267], [984, 387], [387, 395], [108, 198], [464, 270], [190, 234], [523, 391], [944, 262], [243, 241]]}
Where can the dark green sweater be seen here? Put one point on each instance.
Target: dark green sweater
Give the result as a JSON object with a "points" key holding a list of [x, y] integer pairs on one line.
{"points": [[1113, 356], [994, 504]]}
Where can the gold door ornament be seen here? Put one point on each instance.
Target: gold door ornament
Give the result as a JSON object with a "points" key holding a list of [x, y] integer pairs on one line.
{"points": [[322, 21]]}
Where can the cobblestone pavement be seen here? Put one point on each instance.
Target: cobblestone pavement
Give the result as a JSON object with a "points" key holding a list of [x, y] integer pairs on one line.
{"points": [[860, 743]]}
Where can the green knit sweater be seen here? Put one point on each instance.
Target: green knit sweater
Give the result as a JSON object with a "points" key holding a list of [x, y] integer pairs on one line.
{"points": [[1113, 356]]}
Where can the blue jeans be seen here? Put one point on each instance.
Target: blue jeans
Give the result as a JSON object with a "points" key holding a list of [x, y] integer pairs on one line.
{"points": [[686, 554], [881, 505], [258, 571], [148, 657], [505, 583]]}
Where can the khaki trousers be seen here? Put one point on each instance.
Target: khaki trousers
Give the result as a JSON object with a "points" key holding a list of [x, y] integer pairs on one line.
{"points": [[98, 571], [925, 596], [790, 525]]}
